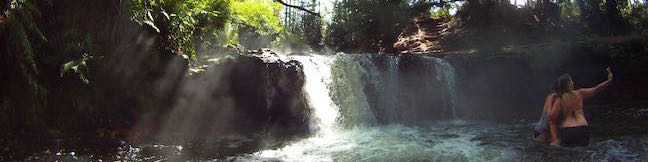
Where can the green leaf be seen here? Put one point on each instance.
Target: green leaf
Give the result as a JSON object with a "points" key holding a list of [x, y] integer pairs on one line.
{"points": [[67, 66]]}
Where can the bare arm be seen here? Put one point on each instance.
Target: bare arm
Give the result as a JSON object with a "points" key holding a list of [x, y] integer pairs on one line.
{"points": [[591, 92], [554, 111]]}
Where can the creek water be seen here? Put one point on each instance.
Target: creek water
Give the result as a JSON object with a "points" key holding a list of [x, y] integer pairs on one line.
{"points": [[454, 139], [359, 112], [448, 141]]}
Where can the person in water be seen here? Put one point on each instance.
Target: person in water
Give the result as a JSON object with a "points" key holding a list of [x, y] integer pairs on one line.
{"points": [[542, 127], [573, 125]]}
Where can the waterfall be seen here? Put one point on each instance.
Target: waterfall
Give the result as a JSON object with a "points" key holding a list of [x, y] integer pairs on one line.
{"points": [[445, 73], [352, 75], [349, 94], [351, 90], [317, 70], [389, 91]]}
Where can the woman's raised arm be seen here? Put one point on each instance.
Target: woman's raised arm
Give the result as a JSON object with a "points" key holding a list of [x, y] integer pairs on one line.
{"points": [[591, 92]]}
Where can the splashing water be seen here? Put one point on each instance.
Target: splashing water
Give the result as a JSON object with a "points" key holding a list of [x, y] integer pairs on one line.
{"points": [[449, 141], [454, 140], [378, 143], [352, 75], [317, 70]]}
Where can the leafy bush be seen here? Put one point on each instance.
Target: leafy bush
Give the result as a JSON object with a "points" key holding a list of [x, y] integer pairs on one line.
{"points": [[179, 21], [22, 32], [80, 67], [443, 12], [569, 12], [255, 23], [638, 16], [369, 25]]}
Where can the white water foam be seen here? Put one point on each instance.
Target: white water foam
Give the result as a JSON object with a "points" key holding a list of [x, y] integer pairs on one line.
{"points": [[317, 70], [450, 141]]}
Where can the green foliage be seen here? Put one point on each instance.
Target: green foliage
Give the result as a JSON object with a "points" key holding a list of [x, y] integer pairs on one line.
{"points": [[179, 21], [79, 67], [22, 34], [603, 17], [569, 12], [638, 16], [77, 52], [444, 12], [312, 27], [303, 30], [368, 25], [441, 14], [255, 23], [259, 14]]}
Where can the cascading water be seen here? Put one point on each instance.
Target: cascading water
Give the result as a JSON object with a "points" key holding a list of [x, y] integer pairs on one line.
{"points": [[324, 115], [446, 73], [351, 74], [339, 87], [317, 69], [336, 85], [387, 91], [360, 90]]}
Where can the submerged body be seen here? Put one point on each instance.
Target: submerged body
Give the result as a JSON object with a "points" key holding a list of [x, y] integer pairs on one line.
{"points": [[572, 109], [542, 127], [573, 124], [575, 131]]}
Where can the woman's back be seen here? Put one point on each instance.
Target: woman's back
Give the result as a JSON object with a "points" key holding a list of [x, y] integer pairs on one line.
{"points": [[571, 104]]}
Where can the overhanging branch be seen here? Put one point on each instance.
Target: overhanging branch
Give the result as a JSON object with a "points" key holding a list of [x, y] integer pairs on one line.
{"points": [[297, 7]]}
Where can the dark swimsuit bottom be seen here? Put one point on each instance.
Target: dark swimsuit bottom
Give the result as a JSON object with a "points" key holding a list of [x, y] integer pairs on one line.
{"points": [[575, 136]]}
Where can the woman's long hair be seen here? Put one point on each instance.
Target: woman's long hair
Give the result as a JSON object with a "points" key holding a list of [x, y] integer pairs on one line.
{"points": [[562, 84], [554, 87]]}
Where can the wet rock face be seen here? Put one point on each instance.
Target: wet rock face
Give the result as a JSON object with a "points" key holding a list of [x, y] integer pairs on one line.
{"points": [[285, 100], [241, 95], [267, 95], [499, 88], [422, 95]]}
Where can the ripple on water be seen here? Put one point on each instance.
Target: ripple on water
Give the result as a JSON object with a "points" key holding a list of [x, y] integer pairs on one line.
{"points": [[449, 141], [440, 142], [613, 150]]}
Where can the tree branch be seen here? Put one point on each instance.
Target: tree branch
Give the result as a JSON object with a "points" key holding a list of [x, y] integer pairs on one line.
{"points": [[442, 3], [298, 7]]}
